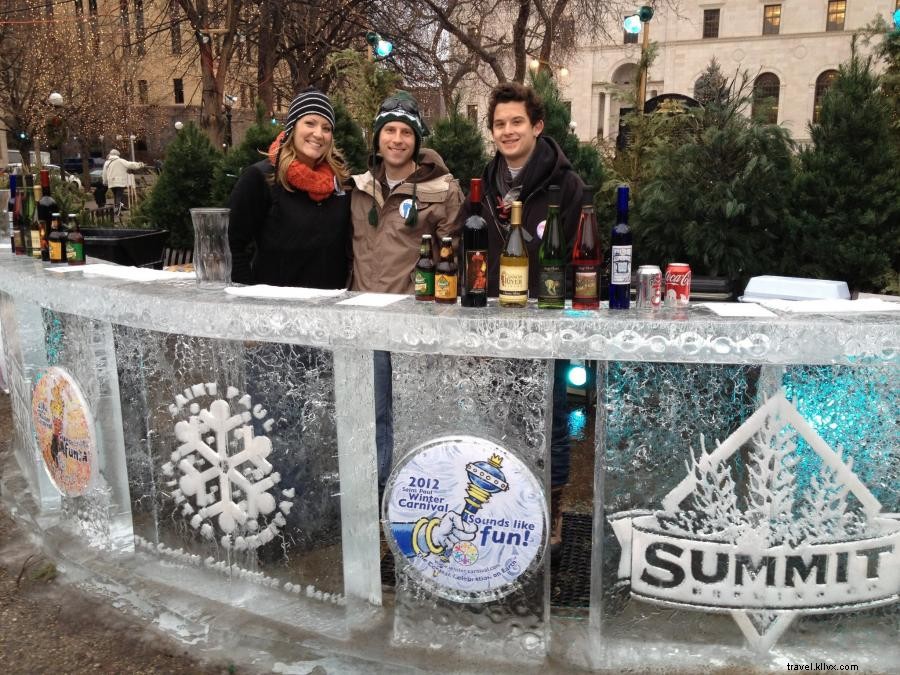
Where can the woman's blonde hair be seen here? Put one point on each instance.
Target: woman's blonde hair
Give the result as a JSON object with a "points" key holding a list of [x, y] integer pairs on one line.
{"points": [[288, 154]]}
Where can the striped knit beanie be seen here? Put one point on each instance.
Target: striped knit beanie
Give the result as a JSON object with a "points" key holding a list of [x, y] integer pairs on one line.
{"points": [[310, 101]]}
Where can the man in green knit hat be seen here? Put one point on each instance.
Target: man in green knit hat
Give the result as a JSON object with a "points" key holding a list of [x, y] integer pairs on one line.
{"points": [[407, 192]]}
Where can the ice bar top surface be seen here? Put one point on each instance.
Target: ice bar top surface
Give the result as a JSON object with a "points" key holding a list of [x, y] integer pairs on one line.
{"points": [[694, 334]]}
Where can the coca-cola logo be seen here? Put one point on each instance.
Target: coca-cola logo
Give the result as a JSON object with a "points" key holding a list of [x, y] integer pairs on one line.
{"points": [[678, 279]]}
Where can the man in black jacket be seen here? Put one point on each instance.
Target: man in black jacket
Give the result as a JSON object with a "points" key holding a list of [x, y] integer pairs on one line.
{"points": [[525, 165]]}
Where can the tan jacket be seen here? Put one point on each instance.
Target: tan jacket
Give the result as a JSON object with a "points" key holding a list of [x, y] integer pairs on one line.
{"points": [[384, 257]]}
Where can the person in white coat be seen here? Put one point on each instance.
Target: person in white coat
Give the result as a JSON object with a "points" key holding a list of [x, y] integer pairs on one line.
{"points": [[115, 175]]}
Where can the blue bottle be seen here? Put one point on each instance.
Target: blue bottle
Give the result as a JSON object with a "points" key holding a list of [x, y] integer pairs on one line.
{"points": [[620, 255]]}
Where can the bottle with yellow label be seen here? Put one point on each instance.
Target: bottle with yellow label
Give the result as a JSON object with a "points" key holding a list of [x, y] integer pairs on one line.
{"points": [[445, 275], [514, 263], [57, 240]]}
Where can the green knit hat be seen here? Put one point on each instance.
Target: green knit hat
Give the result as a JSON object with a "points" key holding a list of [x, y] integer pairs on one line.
{"points": [[400, 107]]}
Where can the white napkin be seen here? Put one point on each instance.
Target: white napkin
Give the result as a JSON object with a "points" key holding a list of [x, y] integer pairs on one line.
{"points": [[282, 292], [737, 309], [830, 306], [134, 273], [373, 299]]}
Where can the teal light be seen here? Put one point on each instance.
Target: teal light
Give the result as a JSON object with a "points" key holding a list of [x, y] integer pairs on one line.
{"points": [[577, 375], [632, 24], [383, 48], [897, 18]]}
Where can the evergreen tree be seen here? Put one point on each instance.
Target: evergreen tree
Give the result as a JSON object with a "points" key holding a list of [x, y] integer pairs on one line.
{"points": [[585, 159], [717, 195], [459, 141], [711, 86], [848, 190], [184, 183], [257, 140], [348, 137]]}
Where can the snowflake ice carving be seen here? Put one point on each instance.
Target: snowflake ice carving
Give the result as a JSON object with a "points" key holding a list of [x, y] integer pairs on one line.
{"points": [[763, 549], [224, 477]]}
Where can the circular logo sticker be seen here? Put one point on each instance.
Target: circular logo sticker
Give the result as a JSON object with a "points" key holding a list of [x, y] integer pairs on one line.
{"points": [[405, 206], [64, 428], [465, 518]]}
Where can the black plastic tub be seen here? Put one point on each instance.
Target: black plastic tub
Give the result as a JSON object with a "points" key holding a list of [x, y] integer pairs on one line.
{"points": [[138, 248]]}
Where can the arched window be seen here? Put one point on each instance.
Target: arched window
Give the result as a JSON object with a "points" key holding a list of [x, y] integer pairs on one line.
{"points": [[766, 91], [823, 83]]}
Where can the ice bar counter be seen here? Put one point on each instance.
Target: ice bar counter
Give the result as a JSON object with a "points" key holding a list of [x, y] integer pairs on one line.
{"points": [[209, 453]]}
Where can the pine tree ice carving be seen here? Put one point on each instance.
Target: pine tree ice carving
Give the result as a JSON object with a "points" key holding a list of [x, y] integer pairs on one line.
{"points": [[825, 512], [770, 502]]}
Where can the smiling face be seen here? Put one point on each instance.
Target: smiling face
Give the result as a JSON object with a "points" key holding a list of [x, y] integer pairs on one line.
{"points": [[313, 136], [396, 144], [514, 134]]}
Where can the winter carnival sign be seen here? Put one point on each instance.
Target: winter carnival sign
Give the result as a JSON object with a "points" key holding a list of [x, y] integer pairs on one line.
{"points": [[465, 517], [768, 549], [64, 429]]}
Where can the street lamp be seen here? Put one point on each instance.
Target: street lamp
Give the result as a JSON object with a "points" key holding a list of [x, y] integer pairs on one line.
{"points": [[644, 15], [378, 46], [179, 125]]}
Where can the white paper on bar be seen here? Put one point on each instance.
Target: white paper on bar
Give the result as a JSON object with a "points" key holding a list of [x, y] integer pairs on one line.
{"points": [[135, 273], [830, 306], [68, 268], [373, 299], [283, 292], [737, 309]]}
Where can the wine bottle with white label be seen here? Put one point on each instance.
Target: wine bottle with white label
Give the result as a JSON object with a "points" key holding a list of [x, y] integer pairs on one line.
{"points": [[620, 255], [514, 263]]}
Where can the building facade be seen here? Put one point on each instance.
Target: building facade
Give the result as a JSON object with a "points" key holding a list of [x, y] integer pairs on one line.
{"points": [[791, 50]]}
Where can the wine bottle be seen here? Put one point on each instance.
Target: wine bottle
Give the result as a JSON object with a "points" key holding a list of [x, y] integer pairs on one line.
{"points": [[473, 277], [35, 230], [620, 255], [587, 256], [552, 257], [14, 204], [514, 263], [445, 274], [27, 215], [75, 242], [424, 274], [46, 207]]}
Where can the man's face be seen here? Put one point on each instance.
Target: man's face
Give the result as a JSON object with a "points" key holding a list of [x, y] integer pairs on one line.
{"points": [[396, 144], [514, 134]]}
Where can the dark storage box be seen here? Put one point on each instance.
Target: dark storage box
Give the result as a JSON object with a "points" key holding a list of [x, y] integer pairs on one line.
{"points": [[138, 248]]}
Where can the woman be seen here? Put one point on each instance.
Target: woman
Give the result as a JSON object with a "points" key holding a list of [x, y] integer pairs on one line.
{"points": [[290, 217]]}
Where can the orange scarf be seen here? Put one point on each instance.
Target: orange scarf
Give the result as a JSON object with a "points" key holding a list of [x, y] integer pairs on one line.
{"points": [[318, 182]]}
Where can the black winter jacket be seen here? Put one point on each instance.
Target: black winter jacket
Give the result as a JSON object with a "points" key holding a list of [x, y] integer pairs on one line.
{"points": [[547, 166], [285, 238]]}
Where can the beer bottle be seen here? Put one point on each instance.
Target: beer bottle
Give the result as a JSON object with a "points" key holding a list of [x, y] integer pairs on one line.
{"points": [[57, 240], [473, 275], [424, 274], [552, 258], [27, 214], [445, 276], [14, 206], [514, 263], [45, 207], [35, 230], [75, 242]]}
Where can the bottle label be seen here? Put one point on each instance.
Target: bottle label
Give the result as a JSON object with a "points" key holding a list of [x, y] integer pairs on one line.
{"points": [[513, 280], [476, 272], [56, 251], [586, 284], [552, 282], [424, 283], [445, 286], [75, 252], [36, 243], [620, 265]]}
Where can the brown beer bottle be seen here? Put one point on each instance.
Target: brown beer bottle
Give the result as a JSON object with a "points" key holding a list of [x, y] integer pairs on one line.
{"points": [[445, 277], [56, 241], [424, 274]]}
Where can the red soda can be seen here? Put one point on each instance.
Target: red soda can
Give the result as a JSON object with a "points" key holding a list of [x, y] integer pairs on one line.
{"points": [[678, 284]]}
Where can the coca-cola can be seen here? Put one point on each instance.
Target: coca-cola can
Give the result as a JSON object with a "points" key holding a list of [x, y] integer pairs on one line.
{"points": [[678, 284], [649, 287]]}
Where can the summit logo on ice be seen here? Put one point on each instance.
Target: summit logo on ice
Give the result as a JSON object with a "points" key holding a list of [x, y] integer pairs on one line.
{"points": [[765, 532]]}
